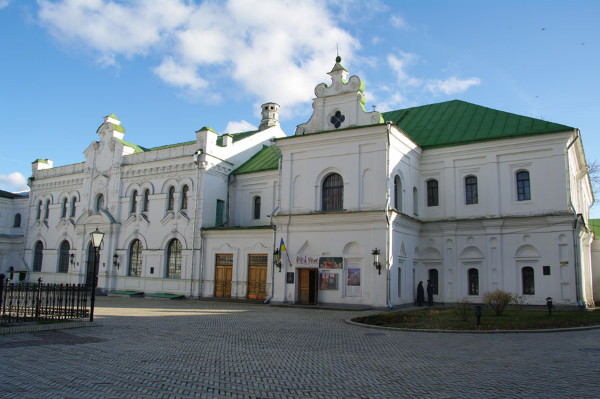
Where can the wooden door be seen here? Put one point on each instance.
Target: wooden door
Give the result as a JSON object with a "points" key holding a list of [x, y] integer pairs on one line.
{"points": [[257, 276], [223, 275], [307, 286]]}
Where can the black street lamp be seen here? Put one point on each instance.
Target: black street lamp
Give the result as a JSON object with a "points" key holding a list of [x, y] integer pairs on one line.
{"points": [[97, 237]]}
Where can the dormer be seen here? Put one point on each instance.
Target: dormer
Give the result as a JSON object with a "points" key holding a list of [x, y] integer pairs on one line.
{"points": [[340, 105]]}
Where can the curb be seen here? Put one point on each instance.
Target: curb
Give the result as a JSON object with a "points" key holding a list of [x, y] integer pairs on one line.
{"points": [[48, 327], [422, 330]]}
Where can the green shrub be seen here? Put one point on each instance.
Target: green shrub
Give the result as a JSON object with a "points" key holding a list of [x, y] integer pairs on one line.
{"points": [[498, 300], [463, 309]]}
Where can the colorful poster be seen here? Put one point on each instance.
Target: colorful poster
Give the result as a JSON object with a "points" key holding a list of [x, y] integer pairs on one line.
{"points": [[331, 263], [353, 277], [329, 281]]}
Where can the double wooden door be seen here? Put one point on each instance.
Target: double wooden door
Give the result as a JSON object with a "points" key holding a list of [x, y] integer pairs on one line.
{"points": [[307, 286], [223, 275]]}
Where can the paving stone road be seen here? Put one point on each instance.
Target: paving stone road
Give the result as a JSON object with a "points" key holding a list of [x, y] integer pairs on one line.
{"points": [[157, 348]]}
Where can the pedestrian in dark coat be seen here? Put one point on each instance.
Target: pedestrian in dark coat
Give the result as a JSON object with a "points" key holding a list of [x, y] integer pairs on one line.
{"points": [[429, 293], [420, 294]]}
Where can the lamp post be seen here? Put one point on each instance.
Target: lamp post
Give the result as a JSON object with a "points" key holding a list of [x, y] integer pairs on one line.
{"points": [[376, 252], [97, 237]]}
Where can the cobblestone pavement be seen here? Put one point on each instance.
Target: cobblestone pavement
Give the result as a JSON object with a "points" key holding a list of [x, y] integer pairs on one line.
{"points": [[157, 348]]}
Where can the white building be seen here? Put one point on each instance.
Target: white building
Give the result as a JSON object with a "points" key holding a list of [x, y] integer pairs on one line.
{"points": [[13, 212], [468, 197]]}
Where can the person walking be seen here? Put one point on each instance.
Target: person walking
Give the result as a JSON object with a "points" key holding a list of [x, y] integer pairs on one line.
{"points": [[429, 293], [420, 294]]}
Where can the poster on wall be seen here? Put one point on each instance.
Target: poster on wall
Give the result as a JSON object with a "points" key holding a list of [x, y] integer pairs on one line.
{"points": [[353, 287], [331, 263], [329, 281]]}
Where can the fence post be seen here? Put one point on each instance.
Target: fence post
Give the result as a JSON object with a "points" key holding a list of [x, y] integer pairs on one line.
{"points": [[38, 298]]}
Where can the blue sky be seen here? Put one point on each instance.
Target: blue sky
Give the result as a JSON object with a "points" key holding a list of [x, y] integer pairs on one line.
{"points": [[167, 68]]}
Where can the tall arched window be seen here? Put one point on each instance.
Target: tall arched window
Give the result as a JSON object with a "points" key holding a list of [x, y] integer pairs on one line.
{"points": [[528, 280], [63, 212], [256, 210], [38, 256], [47, 210], [146, 200], [135, 258], [17, 222], [171, 199], [174, 259], [398, 193], [523, 189], [99, 202], [432, 193], [63, 257], [415, 202], [471, 190], [473, 277], [184, 196], [73, 206], [38, 213], [333, 193], [133, 207]]}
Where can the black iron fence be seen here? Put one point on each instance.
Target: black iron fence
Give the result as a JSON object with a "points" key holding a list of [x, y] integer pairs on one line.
{"points": [[21, 302]]}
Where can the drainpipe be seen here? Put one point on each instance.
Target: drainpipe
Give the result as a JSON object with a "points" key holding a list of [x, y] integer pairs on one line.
{"points": [[578, 295], [387, 218], [273, 226]]}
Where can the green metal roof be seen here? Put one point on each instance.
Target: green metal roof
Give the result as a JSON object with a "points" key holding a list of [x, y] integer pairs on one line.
{"points": [[265, 159], [594, 225], [136, 148], [458, 122], [6, 194], [236, 136]]}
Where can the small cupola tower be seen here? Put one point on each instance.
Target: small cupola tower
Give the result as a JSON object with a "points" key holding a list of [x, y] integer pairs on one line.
{"points": [[270, 116]]}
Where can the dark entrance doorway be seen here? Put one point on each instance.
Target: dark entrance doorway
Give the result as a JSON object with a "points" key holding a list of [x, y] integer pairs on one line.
{"points": [[307, 286]]}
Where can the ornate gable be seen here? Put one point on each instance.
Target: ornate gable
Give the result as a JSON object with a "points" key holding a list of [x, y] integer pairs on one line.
{"points": [[339, 105]]}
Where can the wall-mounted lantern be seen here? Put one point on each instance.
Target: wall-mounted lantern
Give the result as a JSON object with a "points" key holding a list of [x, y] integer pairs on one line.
{"points": [[376, 262], [116, 260], [277, 259]]}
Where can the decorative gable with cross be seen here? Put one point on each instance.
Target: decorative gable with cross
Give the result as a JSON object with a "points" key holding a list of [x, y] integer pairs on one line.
{"points": [[339, 105]]}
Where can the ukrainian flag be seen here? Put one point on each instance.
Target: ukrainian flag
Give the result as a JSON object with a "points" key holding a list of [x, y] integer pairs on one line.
{"points": [[281, 248]]}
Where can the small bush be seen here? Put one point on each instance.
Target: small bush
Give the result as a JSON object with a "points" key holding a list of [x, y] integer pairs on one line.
{"points": [[463, 309], [498, 300]]}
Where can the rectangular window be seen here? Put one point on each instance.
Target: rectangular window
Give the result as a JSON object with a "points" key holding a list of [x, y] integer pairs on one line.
{"points": [[471, 190], [546, 270], [523, 189], [220, 211], [432, 193]]}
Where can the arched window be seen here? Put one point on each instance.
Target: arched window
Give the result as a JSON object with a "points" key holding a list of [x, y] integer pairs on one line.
{"points": [[433, 279], [184, 197], [333, 193], [133, 206], [415, 202], [63, 211], [174, 259], [99, 202], [47, 210], [73, 206], [135, 258], [171, 199], [398, 193], [432, 193], [146, 200], [471, 190], [63, 257], [473, 277], [257, 207], [528, 280], [523, 190], [17, 222], [38, 214], [38, 256]]}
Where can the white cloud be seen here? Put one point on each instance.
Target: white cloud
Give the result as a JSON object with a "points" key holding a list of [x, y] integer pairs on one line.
{"points": [[4, 4], [452, 85], [275, 50], [13, 182], [183, 76], [400, 65], [241, 126], [398, 22]]}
